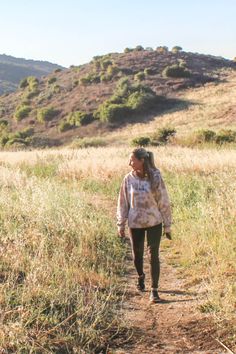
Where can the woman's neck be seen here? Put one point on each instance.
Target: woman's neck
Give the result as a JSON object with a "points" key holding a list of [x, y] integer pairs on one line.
{"points": [[139, 173]]}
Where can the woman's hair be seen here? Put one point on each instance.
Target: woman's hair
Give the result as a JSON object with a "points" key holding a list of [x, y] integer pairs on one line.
{"points": [[148, 165]]}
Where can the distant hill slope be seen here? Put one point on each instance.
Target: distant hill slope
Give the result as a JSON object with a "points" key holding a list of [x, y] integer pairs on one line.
{"points": [[80, 101], [12, 70]]}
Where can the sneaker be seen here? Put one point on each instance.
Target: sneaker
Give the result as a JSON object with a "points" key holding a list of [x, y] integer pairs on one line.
{"points": [[154, 297], [141, 282]]}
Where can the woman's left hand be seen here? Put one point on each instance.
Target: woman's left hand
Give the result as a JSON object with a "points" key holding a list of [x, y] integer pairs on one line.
{"points": [[168, 235]]}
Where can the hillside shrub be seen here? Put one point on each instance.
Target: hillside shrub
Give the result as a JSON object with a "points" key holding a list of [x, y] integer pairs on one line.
{"points": [[162, 49], [105, 77], [3, 123], [56, 89], [51, 80], [140, 100], [148, 71], [127, 99], [225, 136], [163, 135], [112, 70], [139, 48], [141, 141], [79, 118], [32, 82], [176, 49], [65, 126], [57, 70], [106, 63], [22, 112], [128, 50], [205, 135], [46, 114], [176, 71], [112, 112], [23, 83], [31, 94], [139, 76], [89, 79]]}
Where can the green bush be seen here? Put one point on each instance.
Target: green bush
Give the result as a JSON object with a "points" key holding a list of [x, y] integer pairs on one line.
{"points": [[112, 112], [51, 80], [205, 135], [162, 49], [162, 136], [23, 83], [79, 118], [139, 48], [127, 98], [32, 82], [141, 141], [65, 126], [22, 112], [139, 76], [128, 50], [140, 100], [225, 136], [176, 49], [90, 78], [88, 142], [112, 70], [176, 71], [46, 114], [148, 71], [3, 123], [105, 78], [105, 64]]}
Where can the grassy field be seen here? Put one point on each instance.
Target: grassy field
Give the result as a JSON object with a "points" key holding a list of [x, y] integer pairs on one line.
{"points": [[61, 258]]}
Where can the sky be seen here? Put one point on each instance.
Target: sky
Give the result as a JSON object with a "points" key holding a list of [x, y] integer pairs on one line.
{"points": [[71, 32]]}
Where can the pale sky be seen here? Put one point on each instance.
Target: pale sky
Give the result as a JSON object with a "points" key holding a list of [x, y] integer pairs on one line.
{"points": [[71, 32]]}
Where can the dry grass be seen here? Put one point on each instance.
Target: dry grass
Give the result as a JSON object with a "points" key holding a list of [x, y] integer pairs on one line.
{"points": [[43, 210]]}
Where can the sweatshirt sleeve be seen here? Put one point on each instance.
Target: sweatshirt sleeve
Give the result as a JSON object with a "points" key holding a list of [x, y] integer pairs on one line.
{"points": [[122, 206], [163, 203]]}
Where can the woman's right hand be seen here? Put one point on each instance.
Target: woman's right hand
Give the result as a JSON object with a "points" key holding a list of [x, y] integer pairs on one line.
{"points": [[121, 232]]}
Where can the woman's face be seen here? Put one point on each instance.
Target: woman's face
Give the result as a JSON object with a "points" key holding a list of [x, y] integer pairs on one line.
{"points": [[136, 164]]}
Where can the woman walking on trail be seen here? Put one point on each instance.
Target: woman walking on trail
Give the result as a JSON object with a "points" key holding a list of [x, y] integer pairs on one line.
{"points": [[144, 202]]}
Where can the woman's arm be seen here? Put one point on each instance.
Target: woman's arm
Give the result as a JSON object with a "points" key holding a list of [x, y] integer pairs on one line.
{"points": [[163, 202], [122, 207]]}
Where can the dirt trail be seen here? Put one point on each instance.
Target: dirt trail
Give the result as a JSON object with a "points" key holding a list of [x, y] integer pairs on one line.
{"points": [[175, 326]]}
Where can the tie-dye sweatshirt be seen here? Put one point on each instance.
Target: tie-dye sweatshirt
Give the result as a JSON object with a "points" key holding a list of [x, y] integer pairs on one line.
{"points": [[142, 206]]}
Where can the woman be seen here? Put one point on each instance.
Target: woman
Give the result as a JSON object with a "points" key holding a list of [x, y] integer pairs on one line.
{"points": [[144, 201]]}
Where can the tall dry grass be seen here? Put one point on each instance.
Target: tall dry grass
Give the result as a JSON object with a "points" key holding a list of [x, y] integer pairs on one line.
{"points": [[43, 220]]}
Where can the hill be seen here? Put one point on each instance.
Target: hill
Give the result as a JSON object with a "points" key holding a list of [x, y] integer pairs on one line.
{"points": [[112, 91], [12, 70]]}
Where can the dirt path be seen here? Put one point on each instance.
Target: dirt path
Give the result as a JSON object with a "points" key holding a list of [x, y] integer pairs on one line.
{"points": [[175, 326]]}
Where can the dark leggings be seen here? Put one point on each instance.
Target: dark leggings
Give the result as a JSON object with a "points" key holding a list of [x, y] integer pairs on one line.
{"points": [[153, 243]]}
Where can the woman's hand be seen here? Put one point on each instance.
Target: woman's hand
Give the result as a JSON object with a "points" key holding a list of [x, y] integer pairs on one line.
{"points": [[168, 235], [121, 232]]}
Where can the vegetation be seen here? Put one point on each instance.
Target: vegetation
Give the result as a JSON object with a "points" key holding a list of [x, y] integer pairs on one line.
{"points": [[46, 114], [22, 112], [79, 118], [176, 49], [141, 141], [51, 80], [176, 70], [127, 99]]}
